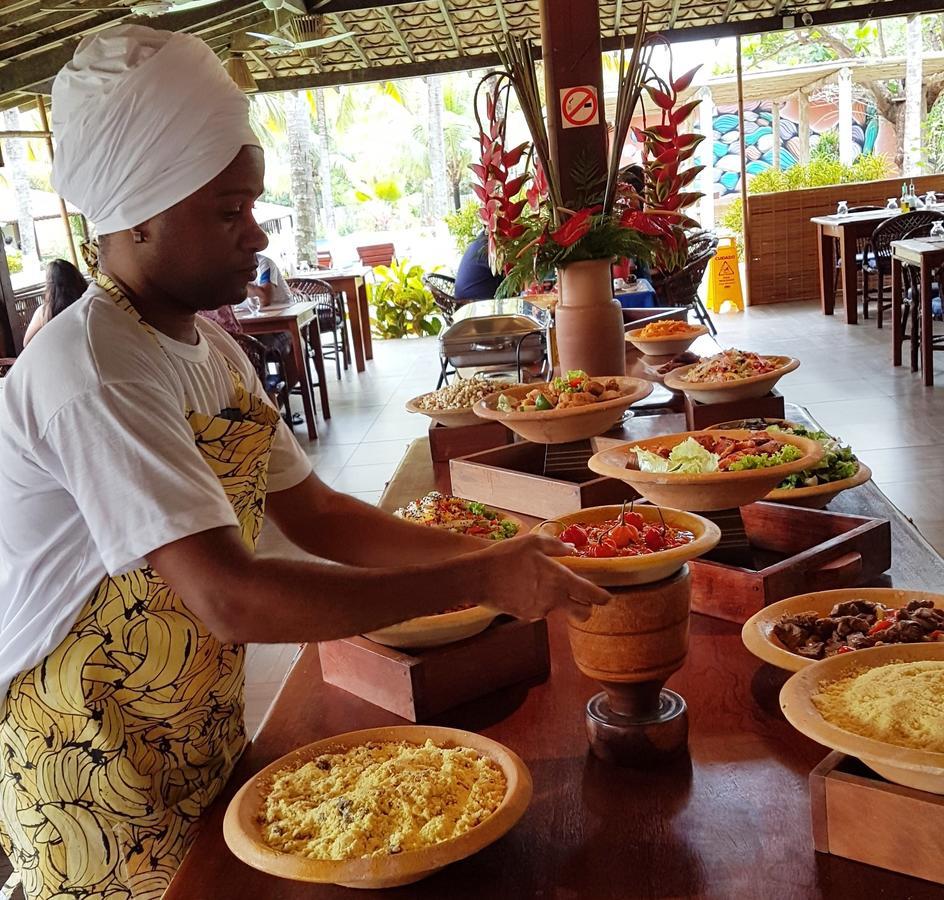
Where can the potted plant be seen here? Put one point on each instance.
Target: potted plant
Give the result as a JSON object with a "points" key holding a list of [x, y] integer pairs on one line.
{"points": [[533, 233]]}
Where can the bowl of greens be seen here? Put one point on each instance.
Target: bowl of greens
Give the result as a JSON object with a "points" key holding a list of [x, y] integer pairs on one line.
{"points": [[708, 470], [838, 470]]}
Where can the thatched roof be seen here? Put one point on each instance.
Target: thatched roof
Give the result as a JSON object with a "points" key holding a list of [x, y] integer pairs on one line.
{"points": [[388, 41]]}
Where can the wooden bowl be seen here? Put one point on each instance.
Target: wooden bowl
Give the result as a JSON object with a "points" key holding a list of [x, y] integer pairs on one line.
{"points": [[919, 769], [451, 418], [434, 631], [816, 497], [243, 835], [705, 492], [664, 346], [758, 631], [629, 570], [560, 426], [728, 391]]}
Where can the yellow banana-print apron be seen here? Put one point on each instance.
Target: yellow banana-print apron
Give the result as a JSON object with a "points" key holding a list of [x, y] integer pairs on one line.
{"points": [[114, 744]]}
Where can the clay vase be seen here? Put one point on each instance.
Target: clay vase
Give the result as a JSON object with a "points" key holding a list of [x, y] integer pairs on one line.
{"points": [[631, 646], [588, 321]]}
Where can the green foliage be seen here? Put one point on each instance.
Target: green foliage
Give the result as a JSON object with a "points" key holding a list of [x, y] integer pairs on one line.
{"points": [[14, 260], [933, 137], [465, 224], [387, 190], [827, 147], [402, 305], [822, 172]]}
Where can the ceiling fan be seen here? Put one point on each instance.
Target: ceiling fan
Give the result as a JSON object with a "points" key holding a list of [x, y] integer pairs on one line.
{"points": [[308, 33], [147, 8]]}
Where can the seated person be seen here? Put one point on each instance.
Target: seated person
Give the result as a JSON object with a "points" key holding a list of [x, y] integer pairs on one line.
{"points": [[269, 287], [474, 279], [64, 285]]}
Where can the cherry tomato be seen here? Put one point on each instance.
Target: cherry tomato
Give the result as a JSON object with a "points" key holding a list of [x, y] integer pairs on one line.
{"points": [[603, 550], [574, 534], [634, 519], [622, 535], [653, 539], [845, 650]]}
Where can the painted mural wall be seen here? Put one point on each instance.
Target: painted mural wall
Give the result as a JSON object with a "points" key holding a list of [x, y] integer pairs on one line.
{"points": [[870, 134]]}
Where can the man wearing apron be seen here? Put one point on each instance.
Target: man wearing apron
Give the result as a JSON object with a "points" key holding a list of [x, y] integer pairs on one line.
{"points": [[137, 456]]}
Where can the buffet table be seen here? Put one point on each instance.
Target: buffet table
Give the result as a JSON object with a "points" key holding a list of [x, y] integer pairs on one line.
{"points": [[731, 821]]}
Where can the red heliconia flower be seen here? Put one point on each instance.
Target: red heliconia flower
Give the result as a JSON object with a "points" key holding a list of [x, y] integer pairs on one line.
{"points": [[640, 221], [573, 229], [538, 188]]}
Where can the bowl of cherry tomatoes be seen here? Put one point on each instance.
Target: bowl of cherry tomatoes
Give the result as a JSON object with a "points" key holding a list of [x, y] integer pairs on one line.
{"points": [[615, 546]]}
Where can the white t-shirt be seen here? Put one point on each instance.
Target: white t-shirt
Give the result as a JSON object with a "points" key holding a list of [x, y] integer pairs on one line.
{"points": [[98, 465], [281, 295]]}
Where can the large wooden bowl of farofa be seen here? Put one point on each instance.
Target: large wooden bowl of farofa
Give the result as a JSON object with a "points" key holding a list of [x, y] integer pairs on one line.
{"points": [[243, 834]]}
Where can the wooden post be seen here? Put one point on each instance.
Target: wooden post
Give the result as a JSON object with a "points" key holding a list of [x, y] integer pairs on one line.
{"points": [[846, 145], [706, 117], [746, 218], [803, 125], [775, 129], [570, 41], [63, 210]]}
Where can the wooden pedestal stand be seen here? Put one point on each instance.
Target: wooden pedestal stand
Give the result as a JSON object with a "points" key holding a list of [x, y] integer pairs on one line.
{"points": [[631, 646], [704, 415]]}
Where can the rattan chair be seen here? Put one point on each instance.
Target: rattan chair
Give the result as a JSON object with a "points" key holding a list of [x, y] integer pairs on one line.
{"points": [[878, 254], [911, 301], [331, 318], [861, 245], [681, 288], [443, 289]]}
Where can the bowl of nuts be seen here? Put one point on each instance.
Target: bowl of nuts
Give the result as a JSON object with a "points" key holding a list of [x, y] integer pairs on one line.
{"points": [[452, 405]]}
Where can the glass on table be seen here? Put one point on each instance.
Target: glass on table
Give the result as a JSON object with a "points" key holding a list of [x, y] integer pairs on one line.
{"points": [[842, 208], [254, 305], [930, 199], [892, 203]]}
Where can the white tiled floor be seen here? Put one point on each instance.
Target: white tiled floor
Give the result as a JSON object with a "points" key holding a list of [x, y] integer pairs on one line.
{"points": [[846, 380]]}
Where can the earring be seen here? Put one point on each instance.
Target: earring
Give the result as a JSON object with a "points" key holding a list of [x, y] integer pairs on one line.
{"points": [[137, 236]]}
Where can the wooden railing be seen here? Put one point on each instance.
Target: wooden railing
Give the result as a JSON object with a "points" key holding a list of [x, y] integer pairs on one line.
{"points": [[783, 263]]}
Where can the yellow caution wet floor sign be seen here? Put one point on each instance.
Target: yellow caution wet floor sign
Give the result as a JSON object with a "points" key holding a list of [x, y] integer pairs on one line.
{"points": [[724, 278]]}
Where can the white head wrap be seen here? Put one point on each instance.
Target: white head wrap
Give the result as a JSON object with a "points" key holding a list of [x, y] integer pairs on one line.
{"points": [[142, 119]]}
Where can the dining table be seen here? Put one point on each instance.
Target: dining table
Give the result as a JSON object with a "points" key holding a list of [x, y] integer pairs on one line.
{"points": [[927, 256], [730, 819], [295, 320], [352, 282], [846, 231]]}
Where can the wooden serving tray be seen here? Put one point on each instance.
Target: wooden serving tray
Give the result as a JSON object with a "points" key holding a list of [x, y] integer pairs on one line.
{"points": [[448, 443], [419, 684], [791, 551], [860, 816], [512, 477], [703, 415]]}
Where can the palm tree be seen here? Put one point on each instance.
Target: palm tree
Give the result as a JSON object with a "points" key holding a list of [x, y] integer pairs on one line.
{"points": [[301, 162], [324, 161], [19, 176], [458, 135], [436, 145]]}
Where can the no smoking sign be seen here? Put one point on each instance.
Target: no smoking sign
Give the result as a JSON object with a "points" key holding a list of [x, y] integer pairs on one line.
{"points": [[579, 106]]}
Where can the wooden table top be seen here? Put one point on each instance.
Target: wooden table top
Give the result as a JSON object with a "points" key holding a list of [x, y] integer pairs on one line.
{"points": [[917, 249], [329, 274], [872, 215], [730, 821], [268, 313]]}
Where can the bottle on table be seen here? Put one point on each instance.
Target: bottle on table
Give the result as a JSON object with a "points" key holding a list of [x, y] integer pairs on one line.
{"points": [[904, 204]]}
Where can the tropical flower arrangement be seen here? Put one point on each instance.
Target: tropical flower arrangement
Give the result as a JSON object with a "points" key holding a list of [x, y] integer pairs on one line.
{"points": [[531, 231]]}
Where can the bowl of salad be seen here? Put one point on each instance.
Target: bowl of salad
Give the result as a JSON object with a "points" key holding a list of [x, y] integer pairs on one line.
{"points": [[730, 375], [570, 408], [437, 510], [666, 337], [708, 470], [837, 471], [615, 546]]}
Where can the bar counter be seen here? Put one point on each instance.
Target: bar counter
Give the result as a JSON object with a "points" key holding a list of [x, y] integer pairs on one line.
{"points": [[732, 821]]}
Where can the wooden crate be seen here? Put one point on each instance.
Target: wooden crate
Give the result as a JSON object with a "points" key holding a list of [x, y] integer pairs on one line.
{"points": [[702, 415], [784, 263], [512, 478], [419, 684], [792, 551], [860, 816], [448, 443]]}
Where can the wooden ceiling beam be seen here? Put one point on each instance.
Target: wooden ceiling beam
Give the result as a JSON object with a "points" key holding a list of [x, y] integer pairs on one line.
{"points": [[500, 9], [352, 40], [392, 25], [673, 15], [41, 40], [617, 16], [449, 24]]}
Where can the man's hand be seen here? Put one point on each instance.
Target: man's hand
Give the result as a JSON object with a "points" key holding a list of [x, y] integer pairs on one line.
{"points": [[523, 578]]}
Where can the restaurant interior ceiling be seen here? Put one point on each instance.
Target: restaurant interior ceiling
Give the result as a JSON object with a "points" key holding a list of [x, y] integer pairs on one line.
{"points": [[376, 40]]}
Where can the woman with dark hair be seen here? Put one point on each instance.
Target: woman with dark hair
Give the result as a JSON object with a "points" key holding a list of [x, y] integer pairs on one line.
{"points": [[64, 285]]}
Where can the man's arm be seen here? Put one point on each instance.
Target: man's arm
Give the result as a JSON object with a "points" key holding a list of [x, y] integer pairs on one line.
{"points": [[336, 526], [264, 292], [241, 597]]}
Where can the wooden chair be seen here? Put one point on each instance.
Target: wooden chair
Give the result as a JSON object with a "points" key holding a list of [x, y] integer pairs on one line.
{"points": [[878, 254], [377, 255], [443, 289], [681, 288], [911, 302], [861, 245], [332, 318]]}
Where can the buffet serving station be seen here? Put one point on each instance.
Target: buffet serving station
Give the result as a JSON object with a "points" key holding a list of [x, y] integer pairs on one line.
{"points": [[731, 818]]}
